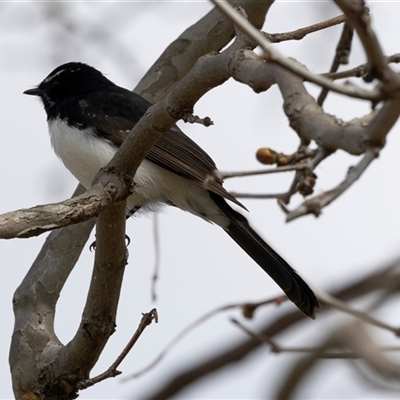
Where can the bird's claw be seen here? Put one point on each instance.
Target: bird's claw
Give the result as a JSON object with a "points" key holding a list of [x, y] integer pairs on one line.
{"points": [[92, 247]]}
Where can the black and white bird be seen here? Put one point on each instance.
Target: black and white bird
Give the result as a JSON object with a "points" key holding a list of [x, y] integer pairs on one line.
{"points": [[89, 117]]}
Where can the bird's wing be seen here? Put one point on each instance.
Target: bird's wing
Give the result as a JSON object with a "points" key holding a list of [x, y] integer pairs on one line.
{"points": [[115, 114]]}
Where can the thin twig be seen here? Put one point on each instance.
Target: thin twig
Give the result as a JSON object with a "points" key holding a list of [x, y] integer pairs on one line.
{"points": [[276, 348], [359, 17], [352, 337], [220, 175], [258, 195], [342, 306], [299, 34], [248, 311], [361, 70], [112, 371], [341, 56]]}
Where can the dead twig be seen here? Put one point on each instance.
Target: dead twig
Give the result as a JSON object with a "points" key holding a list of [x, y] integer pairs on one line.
{"points": [[299, 34], [112, 371], [248, 310]]}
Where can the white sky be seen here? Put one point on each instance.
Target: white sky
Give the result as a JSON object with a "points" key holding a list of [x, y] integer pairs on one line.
{"points": [[201, 267]]}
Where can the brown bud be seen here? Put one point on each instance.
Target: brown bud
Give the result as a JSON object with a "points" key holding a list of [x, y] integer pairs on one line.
{"points": [[266, 156]]}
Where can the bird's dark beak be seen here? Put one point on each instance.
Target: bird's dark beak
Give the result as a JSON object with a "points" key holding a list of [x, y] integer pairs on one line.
{"points": [[34, 92]]}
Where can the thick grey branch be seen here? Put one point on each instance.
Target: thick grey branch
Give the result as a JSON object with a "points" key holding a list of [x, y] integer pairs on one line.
{"points": [[34, 342], [79, 356], [310, 122], [210, 34], [36, 351], [37, 220]]}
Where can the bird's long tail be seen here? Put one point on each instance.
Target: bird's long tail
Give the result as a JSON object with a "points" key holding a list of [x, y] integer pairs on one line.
{"points": [[271, 262]]}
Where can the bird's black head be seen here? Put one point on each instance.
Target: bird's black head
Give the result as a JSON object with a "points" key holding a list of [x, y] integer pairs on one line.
{"points": [[71, 80]]}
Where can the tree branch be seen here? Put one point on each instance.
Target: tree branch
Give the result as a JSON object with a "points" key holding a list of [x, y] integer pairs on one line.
{"points": [[210, 34], [315, 204], [112, 371], [273, 56], [351, 338], [62, 367], [34, 341], [361, 70], [341, 56], [358, 16], [37, 220], [299, 34], [233, 353], [278, 349]]}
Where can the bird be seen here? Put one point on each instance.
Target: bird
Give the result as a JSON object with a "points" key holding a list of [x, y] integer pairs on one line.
{"points": [[89, 117]]}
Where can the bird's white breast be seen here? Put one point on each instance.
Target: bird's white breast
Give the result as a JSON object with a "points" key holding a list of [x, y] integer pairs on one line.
{"points": [[80, 151], [84, 154]]}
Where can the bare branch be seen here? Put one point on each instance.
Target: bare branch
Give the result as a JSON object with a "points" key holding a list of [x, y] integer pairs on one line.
{"points": [[37, 220], [361, 70], [310, 122], [352, 337], [210, 34], [248, 310], [362, 316], [235, 352], [35, 301], [315, 205], [220, 175], [299, 34], [277, 348], [341, 56], [358, 16], [98, 318], [272, 55], [112, 371], [258, 195]]}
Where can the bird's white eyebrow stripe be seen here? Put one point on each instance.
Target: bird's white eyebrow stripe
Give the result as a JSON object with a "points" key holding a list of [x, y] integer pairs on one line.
{"points": [[49, 78]]}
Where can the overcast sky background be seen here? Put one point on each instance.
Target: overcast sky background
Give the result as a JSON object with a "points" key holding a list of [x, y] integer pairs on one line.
{"points": [[201, 267]]}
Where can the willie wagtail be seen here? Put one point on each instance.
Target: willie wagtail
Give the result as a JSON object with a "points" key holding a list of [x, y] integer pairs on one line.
{"points": [[89, 117]]}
